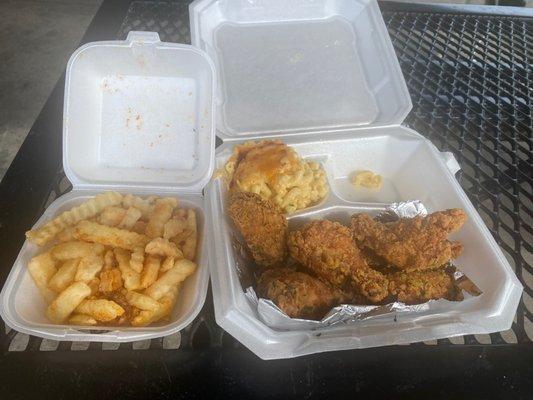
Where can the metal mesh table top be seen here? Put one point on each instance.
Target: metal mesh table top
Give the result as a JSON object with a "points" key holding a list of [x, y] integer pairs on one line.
{"points": [[471, 81]]}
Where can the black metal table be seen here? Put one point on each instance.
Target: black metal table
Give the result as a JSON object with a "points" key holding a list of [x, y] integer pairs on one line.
{"points": [[470, 74]]}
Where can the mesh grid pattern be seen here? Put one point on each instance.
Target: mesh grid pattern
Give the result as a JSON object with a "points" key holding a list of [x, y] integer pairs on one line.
{"points": [[471, 80]]}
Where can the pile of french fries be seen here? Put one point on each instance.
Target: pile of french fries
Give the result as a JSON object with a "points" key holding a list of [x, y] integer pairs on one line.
{"points": [[114, 260]]}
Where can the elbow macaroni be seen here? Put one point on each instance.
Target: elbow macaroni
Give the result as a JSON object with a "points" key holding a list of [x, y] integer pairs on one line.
{"points": [[289, 182]]}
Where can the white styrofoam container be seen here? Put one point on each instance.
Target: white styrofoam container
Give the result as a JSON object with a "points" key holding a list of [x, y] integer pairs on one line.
{"points": [[322, 75], [138, 118]]}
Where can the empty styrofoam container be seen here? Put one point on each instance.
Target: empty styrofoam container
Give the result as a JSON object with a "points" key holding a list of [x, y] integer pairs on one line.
{"points": [[322, 76], [138, 118]]}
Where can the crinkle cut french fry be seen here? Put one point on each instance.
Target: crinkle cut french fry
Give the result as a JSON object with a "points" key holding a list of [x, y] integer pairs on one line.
{"points": [[170, 200], [109, 236], [88, 267], [161, 214], [75, 249], [178, 273], [64, 275], [111, 216], [137, 259], [110, 280], [142, 301], [166, 303], [82, 319], [172, 228], [162, 247], [189, 248], [109, 260], [150, 270], [94, 285], [67, 301], [107, 257], [132, 279], [144, 318], [182, 230], [66, 235], [100, 309], [130, 218], [144, 206], [89, 209], [167, 263], [42, 268], [139, 227]]}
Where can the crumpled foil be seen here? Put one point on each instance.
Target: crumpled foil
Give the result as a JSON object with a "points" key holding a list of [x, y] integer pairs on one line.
{"points": [[403, 209], [344, 314]]}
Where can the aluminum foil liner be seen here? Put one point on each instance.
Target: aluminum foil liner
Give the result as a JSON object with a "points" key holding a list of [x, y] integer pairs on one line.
{"points": [[275, 318], [403, 209], [271, 315]]}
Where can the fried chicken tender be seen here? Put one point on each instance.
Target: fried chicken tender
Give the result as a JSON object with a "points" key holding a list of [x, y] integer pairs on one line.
{"points": [[326, 248], [298, 294], [420, 286], [262, 225], [411, 244]]}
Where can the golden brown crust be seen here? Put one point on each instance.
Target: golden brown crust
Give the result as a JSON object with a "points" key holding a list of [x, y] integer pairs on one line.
{"points": [[420, 286], [262, 225], [298, 294], [326, 248], [413, 243]]}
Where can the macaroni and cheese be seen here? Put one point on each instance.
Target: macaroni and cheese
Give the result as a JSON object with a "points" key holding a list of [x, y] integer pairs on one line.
{"points": [[276, 172]]}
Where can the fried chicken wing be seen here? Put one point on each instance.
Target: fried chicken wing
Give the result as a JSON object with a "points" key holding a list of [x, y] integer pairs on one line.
{"points": [[262, 225], [420, 286], [326, 248], [298, 294], [413, 243]]}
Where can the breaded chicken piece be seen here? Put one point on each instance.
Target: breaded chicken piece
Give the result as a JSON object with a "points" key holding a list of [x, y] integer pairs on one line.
{"points": [[262, 225], [298, 294], [327, 248], [412, 243], [420, 286]]}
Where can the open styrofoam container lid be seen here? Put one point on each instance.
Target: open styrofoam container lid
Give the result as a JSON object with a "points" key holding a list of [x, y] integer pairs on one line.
{"points": [[139, 113], [292, 66]]}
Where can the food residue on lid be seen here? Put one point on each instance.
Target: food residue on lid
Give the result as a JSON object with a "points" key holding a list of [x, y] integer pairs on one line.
{"points": [[138, 121]]}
